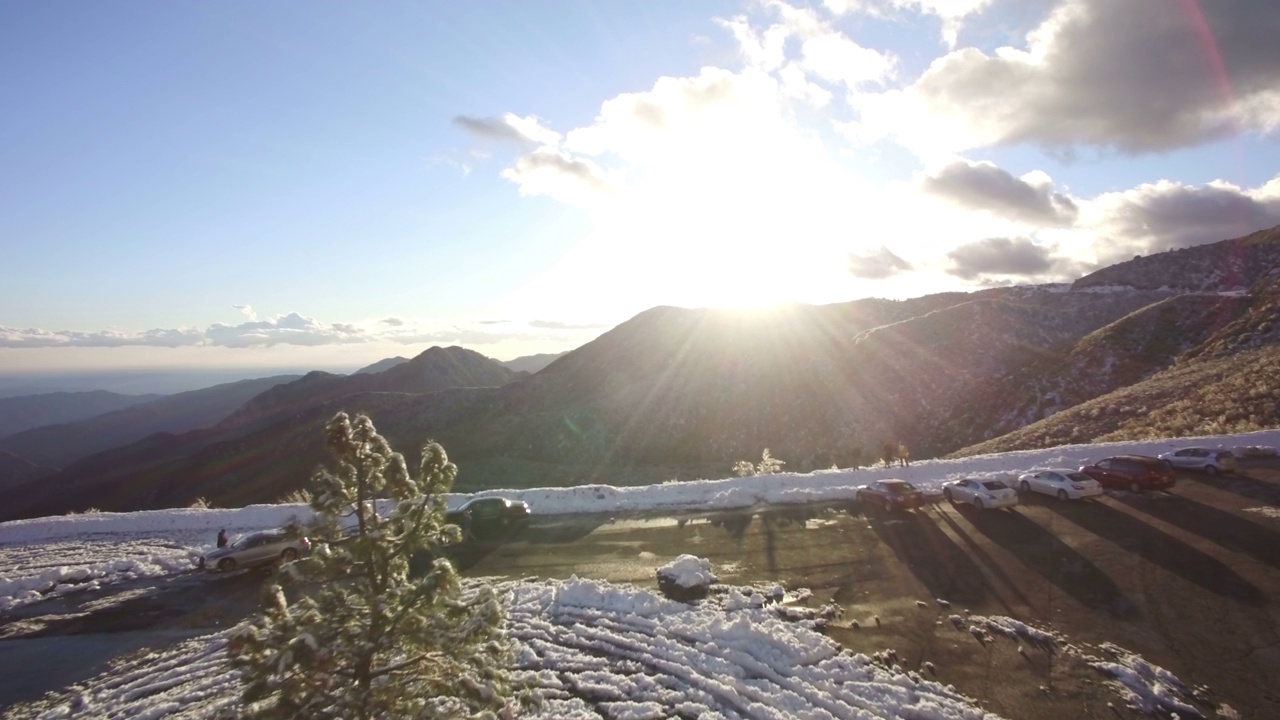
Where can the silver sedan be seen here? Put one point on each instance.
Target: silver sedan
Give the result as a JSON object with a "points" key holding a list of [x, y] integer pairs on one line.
{"points": [[1201, 458], [981, 493], [259, 548]]}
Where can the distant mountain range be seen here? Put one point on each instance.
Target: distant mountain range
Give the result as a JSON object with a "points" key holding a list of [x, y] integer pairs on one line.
{"points": [[532, 363], [1180, 343], [61, 444], [32, 411]]}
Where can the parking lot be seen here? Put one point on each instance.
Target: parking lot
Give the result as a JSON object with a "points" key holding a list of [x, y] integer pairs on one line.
{"points": [[1188, 579]]}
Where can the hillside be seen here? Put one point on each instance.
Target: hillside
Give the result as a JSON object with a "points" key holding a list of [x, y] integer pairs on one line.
{"points": [[16, 470], [1236, 264], [817, 385], [1218, 395], [59, 445], [434, 369], [269, 445], [32, 411], [1218, 369]]}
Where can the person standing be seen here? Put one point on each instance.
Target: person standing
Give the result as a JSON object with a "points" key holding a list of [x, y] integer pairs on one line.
{"points": [[222, 538], [467, 531]]}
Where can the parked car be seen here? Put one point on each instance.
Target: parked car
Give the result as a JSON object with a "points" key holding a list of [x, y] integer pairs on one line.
{"points": [[891, 495], [1062, 483], [490, 516], [259, 548], [981, 493], [1134, 473], [1200, 458]]}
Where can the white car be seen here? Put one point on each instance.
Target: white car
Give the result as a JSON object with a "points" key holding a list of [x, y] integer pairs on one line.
{"points": [[982, 493], [1062, 483], [1202, 458]]}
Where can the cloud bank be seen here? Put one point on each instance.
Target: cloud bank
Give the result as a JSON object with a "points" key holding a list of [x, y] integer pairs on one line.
{"points": [[291, 329]]}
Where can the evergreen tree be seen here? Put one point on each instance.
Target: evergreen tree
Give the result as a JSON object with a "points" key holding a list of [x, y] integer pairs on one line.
{"points": [[363, 639], [768, 465]]}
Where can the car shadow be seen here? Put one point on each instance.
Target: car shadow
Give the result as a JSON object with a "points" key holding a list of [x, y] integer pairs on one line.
{"points": [[775, 521], [1160, 548], [1240, 483], [561, 530], [1054, 560], [933, 557], [985, 558], [734, 522], [1218, 526]]}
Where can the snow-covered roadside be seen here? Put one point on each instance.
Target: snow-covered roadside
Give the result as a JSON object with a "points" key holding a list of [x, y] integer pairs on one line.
{"points": [[590, 649], [200, 525], [72, 561]]}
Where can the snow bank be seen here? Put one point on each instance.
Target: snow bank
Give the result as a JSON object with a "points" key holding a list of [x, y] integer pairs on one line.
{"points": [[726, 494]]}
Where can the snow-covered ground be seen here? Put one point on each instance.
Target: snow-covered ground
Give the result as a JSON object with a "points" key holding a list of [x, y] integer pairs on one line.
{"points": [[621, 648], [587, 649]]}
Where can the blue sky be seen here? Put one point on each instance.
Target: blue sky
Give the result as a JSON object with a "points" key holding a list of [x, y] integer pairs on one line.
{"points": [[290, 184]]}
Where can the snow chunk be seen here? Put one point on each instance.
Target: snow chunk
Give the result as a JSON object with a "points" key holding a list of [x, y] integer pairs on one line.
{"points": [[688, 572]]}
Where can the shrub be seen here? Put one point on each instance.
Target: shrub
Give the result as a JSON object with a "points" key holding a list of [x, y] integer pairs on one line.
{"points": [[301, 496]]}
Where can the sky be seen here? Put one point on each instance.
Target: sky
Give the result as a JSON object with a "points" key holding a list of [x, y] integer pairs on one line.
{"points": [[283, 184]]}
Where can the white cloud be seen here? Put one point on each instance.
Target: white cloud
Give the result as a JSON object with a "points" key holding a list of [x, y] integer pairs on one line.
{"points": [[761, 50], [561, 325], [1020, 259], [834, 57], [292, 329], [1136, 76], [985, 187], [877, 264], [952, 13], [555, 173], [247, 311], [1167, 215], [15, 337], [510, 127]]}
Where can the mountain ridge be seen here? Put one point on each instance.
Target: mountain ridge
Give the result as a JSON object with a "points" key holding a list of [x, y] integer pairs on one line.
{"points": [[688, 391]]}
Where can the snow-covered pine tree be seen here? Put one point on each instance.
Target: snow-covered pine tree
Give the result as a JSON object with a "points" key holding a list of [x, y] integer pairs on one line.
{"points": [[363, 639]]}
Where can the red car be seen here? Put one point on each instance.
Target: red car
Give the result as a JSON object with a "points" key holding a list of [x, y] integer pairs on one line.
{"points": [[1134, 473], [891, 495]]}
